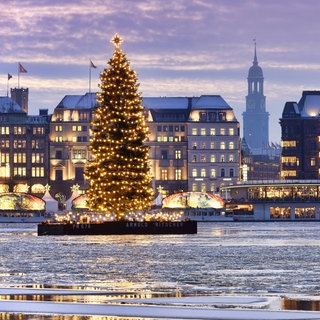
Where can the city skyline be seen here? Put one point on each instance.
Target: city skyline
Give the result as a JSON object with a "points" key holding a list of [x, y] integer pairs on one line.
{"points": [[185, 48]]}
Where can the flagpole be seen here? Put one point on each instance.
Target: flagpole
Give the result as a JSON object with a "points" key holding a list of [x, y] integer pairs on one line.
{"points": [[90, 76], [18, 75]]}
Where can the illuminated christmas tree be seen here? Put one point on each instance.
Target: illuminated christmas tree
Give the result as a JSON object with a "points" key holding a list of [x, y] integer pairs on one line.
{"points": [[119, 171]]}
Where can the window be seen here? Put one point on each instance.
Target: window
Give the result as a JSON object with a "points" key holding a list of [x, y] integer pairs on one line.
{"points": [[203, 158], [19, 130], [231, 145], [59, 139], [222, 116], [159, 129], [182, 128], [203, 145], [194, 172], [203, 187], [58, 154], [176, 128], [4, 130], [19, 144], [312, 162], [212, 158], [177, 154], [194, 145], [5, 143], [231, 158], [19, 171], [37, 157], [212, 116], [164, 154], [194, 131], [58, 128], [4, 157], [37, 172], [165, 128], [231, 131], [213, 173], [164, 174], [79, 154], [202, 116], [76, 128], [211, 145], [178, 174], [231, 173], [194, 187], [59, 175], [79, 176], [212, 187], [19, 158], [222, 158], [203, 172], [203, 131], [222, 145], [222, 131], [38, 130], [212, 131], [194, 158], [223, 173]]}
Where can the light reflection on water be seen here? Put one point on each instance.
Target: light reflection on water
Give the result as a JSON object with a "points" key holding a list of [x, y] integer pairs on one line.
{"points": [[227, 258], [223, 258]]}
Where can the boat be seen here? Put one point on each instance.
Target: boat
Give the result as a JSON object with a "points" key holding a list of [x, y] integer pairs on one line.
{"points": [[118, 228], [24, 217]]}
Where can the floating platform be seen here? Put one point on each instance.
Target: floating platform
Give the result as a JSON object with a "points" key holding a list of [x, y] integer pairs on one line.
{"points": [[118, 228]]}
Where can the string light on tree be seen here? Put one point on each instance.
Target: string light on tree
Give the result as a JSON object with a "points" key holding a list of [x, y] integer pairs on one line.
{"points": [[119, 172]]}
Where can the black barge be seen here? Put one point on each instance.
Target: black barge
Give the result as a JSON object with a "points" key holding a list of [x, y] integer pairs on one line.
{"points": [[118, 228]]}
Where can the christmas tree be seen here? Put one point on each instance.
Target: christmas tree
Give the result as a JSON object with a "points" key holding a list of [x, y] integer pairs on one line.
{"points": [[119, 172]]}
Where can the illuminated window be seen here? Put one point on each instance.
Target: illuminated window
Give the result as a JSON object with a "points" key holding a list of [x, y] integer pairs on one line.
{"points": [[194, 172], [194, 131], [288, 144], [231, 131], [4, 157], [213, 173], [222, 131], [20, 171], [203, 172], [165, 138], [38, 130], [203, 158], [178, 174], [222, 145], [58, 128], [37, 172], [164, 174], [5, 143], [4, 130], [79, 154], [177, 154], [212, 131], [77, 128], [203, 145], [231, 158], [19, 157], [203, 187], [74, 139], [231, 145], [59, 139], [19, 144], [312, 162], [203, 131], [211, 145], [212, 158], [194, 187], [288, 173], [194, 158], [212, 187], [194, 145], [222, 158], [19, 130], [35, 144]]}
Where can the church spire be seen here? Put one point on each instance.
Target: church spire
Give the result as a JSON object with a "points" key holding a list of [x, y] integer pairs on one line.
{"points": [[255, 60]]}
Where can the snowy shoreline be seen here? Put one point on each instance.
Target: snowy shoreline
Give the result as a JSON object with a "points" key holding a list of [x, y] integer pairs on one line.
{"points": [[195, 307]]}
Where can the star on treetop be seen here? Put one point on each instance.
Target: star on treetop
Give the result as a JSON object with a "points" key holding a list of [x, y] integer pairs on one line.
{"points": [[116, 40]]}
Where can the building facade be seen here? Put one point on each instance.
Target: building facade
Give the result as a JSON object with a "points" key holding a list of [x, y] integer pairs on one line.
{"points": [[194, 143], [24, 149], [69, 141], [256, 118], [300, 135]]}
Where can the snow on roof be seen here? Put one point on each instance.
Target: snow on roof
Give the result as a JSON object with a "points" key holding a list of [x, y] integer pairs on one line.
{"points": [[210, 102], [69, 101], [165, 103], [8, 105], [87, 101]]}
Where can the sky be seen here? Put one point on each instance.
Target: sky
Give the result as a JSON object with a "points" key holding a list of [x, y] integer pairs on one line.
{"points": [[178, 48]]}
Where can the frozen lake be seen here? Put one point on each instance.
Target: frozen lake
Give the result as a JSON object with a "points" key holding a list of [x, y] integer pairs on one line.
{"points": [[276, 258]]}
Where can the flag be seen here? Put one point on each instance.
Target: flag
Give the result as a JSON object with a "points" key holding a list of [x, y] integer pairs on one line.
{"points": [[9, 76], [22, 69], [92, 65]]}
